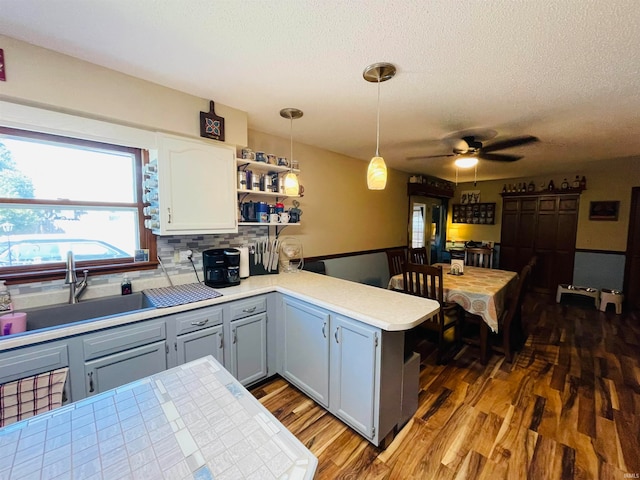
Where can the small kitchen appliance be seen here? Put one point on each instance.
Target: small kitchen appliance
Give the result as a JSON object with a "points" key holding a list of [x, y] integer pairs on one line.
{"points": [[221, 267]]}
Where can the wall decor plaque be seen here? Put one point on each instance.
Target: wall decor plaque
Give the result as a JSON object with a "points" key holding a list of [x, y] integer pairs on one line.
{"points": [[211, 125]]}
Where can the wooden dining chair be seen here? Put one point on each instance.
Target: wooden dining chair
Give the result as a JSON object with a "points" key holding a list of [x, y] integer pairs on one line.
{"points": [[396, 257], [418, 255], [426, 281], [478, 257], [511, 334]]}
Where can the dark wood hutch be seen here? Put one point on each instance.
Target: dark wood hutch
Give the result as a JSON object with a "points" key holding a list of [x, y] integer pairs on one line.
{"points": [[544, 224]]}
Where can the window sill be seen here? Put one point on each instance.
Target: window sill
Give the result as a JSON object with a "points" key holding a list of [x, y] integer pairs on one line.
{"points": [[57, 271]]}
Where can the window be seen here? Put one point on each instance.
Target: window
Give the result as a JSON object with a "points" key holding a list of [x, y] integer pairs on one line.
{"points": [[417, 238], [59, 194]]}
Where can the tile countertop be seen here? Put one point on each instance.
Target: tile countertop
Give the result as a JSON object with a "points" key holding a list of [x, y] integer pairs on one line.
{"points": [[375, 306], [194, 421]]}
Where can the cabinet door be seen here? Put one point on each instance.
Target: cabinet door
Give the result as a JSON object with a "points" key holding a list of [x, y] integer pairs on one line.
{"points": [[249, 349], [121, 368], [194, 345], [353, 374], [306, 349], [196, 184]]}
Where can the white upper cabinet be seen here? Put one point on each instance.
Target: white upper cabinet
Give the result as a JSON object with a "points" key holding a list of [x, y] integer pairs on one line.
{"points": [[196, 188]]}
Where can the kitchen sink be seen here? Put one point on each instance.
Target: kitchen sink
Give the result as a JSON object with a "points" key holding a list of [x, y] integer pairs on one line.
{"points": [[64, 314]]}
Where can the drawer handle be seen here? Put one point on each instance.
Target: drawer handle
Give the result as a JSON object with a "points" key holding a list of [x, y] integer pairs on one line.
{"points": [[91, 389], [249, 310], [200, 323], [324, 329], [235, 337], [221, 344], [335, 335]]}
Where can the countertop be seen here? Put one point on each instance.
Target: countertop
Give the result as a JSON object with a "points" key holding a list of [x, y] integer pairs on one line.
{"points": [[378, 307], [192, 421]]}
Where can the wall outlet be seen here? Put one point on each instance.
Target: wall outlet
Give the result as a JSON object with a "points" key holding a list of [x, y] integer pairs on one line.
{"points": [[181, 256]]}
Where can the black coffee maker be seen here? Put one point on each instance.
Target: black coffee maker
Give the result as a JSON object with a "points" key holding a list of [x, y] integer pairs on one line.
{"points": [[221, 267]]}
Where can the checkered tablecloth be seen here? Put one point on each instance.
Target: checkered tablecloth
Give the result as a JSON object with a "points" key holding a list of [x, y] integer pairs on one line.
{"points": [[180, 294]]}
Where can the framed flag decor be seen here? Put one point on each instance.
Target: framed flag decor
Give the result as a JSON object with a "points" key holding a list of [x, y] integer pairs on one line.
{"points": [[211, 125]]}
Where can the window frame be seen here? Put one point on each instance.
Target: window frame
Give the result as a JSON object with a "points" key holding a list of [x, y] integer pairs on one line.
{"points": [[56, 270]]}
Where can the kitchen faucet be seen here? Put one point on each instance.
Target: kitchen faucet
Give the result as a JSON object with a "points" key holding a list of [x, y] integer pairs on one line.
{"points": [[76, 289]]}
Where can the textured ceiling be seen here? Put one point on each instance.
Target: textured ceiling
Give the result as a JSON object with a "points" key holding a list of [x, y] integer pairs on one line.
{"points": [[565, 71]]}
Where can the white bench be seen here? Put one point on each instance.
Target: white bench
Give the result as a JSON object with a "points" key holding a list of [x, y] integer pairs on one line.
{"points": [[575, 290]]}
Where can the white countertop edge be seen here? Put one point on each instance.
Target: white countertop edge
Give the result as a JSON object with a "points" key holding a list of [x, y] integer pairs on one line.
{"points": [[310, 287]]}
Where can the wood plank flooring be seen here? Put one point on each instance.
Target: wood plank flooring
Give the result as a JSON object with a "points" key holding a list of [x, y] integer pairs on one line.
{"points": [[567, 408]]}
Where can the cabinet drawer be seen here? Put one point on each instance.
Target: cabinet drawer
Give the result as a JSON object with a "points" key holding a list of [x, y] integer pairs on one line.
{"points": [[248, 307], [197, 320], [122, 338], [31, 361]]}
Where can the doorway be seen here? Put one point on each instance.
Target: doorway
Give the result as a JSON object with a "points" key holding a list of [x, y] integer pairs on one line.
{"points": [[426, 225]]}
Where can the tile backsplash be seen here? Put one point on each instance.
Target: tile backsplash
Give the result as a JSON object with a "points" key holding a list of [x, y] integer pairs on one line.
{"points": [[183, 272]]}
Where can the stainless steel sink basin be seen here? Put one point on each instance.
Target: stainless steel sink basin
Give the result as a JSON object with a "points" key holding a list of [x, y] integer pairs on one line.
{"points": [[64, 314]]}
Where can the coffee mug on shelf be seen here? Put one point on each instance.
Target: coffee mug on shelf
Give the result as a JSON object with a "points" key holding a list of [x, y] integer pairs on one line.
{"points": [[261, 157], [271, 159], [283, 162], [274, 218], [284, 217], [248, 154]]}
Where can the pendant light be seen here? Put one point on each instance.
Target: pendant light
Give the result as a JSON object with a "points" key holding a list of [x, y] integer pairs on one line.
{"points": [[377, 171], [291, 185]]}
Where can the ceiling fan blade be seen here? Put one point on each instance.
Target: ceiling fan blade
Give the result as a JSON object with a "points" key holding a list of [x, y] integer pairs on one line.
{"points": [[430, 156], [499, 157], [510, 143]]}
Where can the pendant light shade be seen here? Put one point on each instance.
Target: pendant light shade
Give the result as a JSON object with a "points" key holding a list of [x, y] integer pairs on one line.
{"points": [[291, 184], [377, 171], [377, 174]]}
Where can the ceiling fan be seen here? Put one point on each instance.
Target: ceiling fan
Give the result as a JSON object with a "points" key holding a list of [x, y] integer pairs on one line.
{"points": [[470, 146]]}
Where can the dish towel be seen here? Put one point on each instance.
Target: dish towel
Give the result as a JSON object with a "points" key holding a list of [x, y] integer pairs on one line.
{"points": [[29, 396]]}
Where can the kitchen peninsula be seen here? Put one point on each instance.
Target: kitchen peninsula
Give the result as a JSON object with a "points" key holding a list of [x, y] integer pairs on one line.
{"points": [[192, 421], [340, 342]]}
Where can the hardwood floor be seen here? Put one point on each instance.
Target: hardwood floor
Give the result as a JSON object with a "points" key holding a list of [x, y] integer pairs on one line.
{"points": [[568, 407]]}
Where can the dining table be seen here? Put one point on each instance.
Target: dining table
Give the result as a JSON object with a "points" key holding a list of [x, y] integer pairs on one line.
{"points": [[479, 291]]}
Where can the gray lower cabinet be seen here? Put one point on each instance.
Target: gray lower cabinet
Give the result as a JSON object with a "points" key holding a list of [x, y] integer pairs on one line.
{"points": [[194, 345], [199, 333], [121, 355], [248, 340], [351, 368], [249, 348], [34, 360], [353, 373], [305, 353]]}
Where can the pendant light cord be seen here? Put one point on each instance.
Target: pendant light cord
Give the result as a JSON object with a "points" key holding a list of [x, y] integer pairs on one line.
{"points": [[291, 138], [378, 121]]}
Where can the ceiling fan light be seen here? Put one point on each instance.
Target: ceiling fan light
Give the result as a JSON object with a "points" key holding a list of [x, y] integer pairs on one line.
{"points": [[377, 174], [466, 162]]}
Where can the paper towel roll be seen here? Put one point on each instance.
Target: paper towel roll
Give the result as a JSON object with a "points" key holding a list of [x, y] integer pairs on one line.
{"points": [[244, 262]]}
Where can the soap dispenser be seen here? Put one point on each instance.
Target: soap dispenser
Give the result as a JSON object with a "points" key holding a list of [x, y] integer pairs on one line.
{"points": [[125, 286], [5, 298]]}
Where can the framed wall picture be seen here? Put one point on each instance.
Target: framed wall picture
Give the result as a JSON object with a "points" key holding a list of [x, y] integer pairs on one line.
{"points": [[470, 196], [211, 125], [604, 210]]}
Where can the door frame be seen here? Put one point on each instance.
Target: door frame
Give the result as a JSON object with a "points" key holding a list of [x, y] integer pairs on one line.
{"points": [[634, 212]]}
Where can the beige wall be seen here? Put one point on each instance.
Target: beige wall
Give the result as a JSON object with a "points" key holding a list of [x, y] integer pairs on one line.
{"points": [[339, 214], [612, 180], [42, 78]]}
